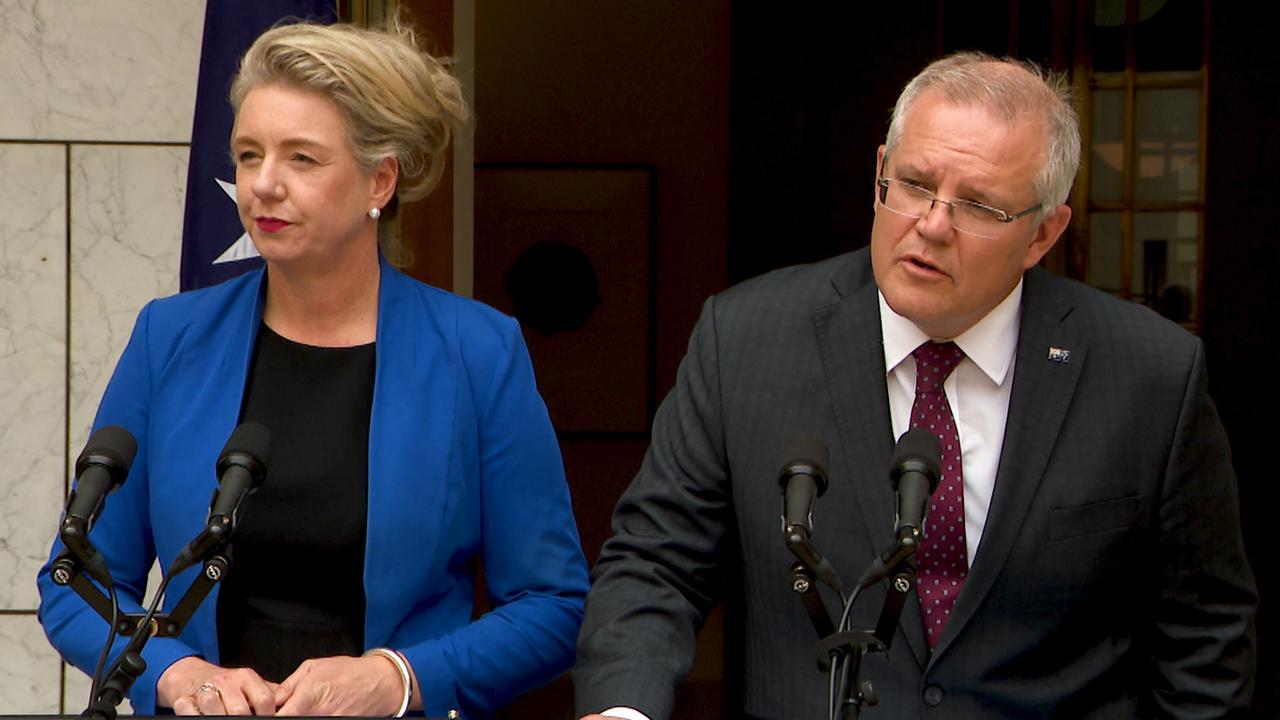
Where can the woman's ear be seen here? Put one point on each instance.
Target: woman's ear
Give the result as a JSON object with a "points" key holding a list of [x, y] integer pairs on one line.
{"points": [[385, 175]]}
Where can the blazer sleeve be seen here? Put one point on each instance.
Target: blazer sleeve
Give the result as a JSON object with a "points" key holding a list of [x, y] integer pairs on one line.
{"points": [[1202, 651], [534, 569], [122, 535], [662, 570]]}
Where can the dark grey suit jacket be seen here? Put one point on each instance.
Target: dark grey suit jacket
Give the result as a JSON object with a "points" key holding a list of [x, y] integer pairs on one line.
{"points": [[1110, 579]]}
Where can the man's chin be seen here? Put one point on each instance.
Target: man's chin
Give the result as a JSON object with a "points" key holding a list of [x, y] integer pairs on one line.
{"points": [[927, 311]]}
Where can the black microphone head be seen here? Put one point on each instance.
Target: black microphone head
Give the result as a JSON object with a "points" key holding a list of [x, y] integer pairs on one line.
{"points": [[808, 455], [112, 447], [918, 450], [249, 447]]}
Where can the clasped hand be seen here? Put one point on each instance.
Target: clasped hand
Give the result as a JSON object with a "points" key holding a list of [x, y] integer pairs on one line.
{"points": [[367, 686]]}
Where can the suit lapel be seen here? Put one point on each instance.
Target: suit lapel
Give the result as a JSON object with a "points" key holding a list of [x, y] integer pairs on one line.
{"points": [[1043, 385], [851, 345]]}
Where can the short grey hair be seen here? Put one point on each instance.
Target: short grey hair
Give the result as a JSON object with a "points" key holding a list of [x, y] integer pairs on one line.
{"points": [[1009, 89]]}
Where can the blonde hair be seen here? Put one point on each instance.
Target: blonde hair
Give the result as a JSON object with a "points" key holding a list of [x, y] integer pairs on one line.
{"points": [[397, 99], [1009, 89]]}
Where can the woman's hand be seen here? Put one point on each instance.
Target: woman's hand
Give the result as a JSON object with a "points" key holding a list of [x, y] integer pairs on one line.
{"points": [[192, 686], [368, 686]]}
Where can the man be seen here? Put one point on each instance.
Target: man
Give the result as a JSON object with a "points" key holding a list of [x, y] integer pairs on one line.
{"points": [[1082, 553]]}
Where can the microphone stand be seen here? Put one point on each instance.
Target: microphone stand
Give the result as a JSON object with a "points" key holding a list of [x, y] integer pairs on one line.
{"points": [[209, 547], [841, 648], [845, 649]]}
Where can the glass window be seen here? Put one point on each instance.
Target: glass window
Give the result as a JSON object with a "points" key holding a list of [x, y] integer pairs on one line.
{"points": [[1108, 37], [1169, 35], [1106, 251], [1167, 130], [1145, 109], [1166, 257], [1107, 163]]}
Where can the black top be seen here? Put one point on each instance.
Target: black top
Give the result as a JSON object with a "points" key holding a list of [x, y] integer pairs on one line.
{"points": [[296, 585]]}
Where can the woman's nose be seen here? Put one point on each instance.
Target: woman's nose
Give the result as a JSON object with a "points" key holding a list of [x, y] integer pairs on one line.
{"points": [[266, 182]]}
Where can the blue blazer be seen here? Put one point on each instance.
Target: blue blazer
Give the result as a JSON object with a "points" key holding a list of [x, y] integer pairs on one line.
{"points": [[464, 469]]}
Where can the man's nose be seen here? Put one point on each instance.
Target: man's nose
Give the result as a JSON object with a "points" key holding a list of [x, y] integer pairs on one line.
{"points": [[936, 223]]}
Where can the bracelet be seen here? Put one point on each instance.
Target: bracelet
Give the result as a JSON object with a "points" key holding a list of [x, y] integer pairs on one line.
{"points": [[398, 660]]}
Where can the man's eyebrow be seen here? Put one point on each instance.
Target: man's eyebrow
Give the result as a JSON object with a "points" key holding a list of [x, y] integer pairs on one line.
{"points": [[906, 169], [964, 191]]}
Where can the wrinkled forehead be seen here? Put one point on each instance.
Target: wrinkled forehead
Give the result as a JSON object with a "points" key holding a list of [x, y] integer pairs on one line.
{"points": [[969, 144], [982, 120]]}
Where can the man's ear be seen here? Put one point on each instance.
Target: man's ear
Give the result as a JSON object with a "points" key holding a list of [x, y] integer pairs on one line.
{"points": [[880, 153], [1047, 235]]}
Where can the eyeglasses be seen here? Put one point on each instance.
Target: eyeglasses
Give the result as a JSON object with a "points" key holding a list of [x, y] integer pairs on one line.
{"points": [[967, 216]]}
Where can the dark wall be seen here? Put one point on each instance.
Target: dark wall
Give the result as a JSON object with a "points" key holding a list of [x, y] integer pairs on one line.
{"points": [[590, 82], [1242, 253], [812, 92], [582, 81]]}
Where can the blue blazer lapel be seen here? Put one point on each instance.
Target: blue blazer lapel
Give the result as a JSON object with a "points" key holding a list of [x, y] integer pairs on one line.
{"points": [[852, 349], [213, 400], [1043, 385], [410, 435]]}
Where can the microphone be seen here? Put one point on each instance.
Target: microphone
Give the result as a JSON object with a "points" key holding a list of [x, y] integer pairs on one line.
{"points": [[102, 467], [914, 470], [803, 480], [242, 466]]}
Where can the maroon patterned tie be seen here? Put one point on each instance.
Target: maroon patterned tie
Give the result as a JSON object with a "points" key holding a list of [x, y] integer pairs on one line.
{"points": [[944, 561]]}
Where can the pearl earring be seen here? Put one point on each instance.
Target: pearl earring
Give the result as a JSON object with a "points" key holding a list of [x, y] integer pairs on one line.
{"points": [[375, 213]]}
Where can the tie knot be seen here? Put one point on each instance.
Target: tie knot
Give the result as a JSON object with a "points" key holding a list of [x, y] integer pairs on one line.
{"points": [[934, 362]]}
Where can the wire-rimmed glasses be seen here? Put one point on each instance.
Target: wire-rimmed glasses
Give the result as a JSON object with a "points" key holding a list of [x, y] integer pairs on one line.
{"points": [[969, 217]]}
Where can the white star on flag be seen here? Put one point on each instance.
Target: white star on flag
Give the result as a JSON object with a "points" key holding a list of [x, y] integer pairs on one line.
{"points": [[242, 248]]}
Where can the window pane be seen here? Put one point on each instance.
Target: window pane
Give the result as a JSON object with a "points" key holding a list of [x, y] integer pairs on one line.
{"points": [[1165, 256], [1105, 251], [1036, 30], [1167, 130], [1170, 35], [1108, 35], [1107, 162]]}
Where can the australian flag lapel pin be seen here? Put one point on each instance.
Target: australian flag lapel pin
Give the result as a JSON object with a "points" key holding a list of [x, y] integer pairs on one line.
{"points": [[1059, 355]]}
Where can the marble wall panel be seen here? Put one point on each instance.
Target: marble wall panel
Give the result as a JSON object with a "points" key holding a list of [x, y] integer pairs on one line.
{"points": [[126, 237], [75, 693], [100, 70], [32, 362], [30, 680]]}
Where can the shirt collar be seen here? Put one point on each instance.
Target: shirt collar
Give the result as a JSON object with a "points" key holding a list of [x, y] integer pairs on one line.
{"points": [[990, 343]]}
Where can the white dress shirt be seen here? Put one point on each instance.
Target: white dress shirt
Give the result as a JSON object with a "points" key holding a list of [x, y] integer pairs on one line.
{"points": [[978, 391]]}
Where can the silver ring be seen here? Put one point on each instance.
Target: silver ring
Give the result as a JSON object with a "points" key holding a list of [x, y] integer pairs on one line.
{"points": [[206, 687]]}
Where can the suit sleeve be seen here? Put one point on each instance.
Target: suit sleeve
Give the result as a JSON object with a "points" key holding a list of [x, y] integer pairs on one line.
{"points": [[1203, 652], [662, 571], [122, 535], [534, 569]]}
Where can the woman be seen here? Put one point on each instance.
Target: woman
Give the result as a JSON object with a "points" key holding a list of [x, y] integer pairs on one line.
{"points": [[409, 444]]}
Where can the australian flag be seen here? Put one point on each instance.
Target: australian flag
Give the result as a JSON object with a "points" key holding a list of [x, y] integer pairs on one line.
{"points": [[215, 246]]}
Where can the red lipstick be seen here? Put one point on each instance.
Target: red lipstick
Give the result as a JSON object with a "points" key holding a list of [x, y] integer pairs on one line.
{"points": [[270, 224]]}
